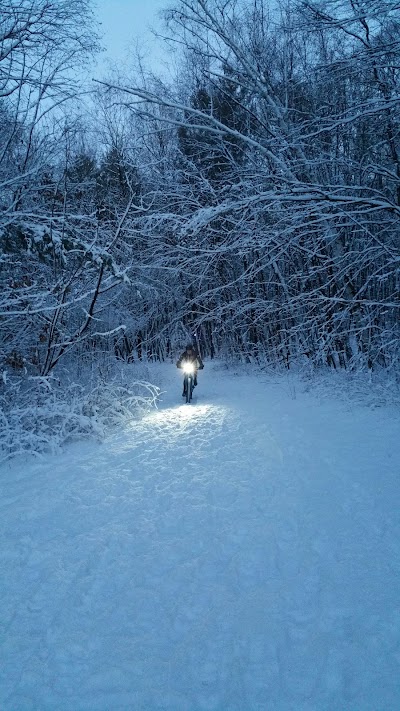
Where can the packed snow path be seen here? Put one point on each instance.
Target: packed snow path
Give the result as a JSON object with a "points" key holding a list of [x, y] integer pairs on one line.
{"points": [[238, 554]]}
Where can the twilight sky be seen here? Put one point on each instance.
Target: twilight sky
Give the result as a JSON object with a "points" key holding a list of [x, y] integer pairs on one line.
{"points": [[126, 22]]}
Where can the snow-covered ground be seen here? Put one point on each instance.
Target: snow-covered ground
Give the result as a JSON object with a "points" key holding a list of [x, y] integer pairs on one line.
{"points": [[238, 554]]}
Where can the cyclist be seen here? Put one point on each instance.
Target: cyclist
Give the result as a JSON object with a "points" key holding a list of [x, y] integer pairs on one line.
{"points": [[190, 354]]}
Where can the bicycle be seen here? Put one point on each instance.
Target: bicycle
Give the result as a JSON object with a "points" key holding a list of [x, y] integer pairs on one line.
{"points": [[188, 380]]}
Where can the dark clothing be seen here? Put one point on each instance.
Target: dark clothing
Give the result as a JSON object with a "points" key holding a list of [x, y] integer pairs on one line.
{"points": [[192, 357]]}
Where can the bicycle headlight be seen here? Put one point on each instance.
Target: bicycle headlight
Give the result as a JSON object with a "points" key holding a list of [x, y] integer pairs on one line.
{"points": [[188, 368]]}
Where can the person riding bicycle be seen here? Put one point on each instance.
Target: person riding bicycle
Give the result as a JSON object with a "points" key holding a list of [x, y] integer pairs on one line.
{"points": [[190, 354]]}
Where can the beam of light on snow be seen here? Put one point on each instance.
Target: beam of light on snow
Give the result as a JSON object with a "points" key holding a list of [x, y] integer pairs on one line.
{"points": [[173, 422], [170, 424], [184, 413]]}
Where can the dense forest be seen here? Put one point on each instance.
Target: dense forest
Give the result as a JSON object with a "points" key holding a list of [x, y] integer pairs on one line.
{"points": [[253, 196]]}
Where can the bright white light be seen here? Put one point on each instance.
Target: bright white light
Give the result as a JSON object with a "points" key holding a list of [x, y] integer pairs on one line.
{"points": [[188, 367]]}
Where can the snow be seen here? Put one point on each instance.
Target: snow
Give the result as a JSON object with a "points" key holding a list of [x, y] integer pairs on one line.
{"points": [[237, 554]]}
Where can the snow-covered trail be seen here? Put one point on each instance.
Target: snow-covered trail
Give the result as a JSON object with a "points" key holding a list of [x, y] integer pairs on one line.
{"points": [[238, 554]]}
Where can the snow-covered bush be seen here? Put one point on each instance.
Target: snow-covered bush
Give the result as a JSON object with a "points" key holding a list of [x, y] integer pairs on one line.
{"points": [[39, 414]]}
